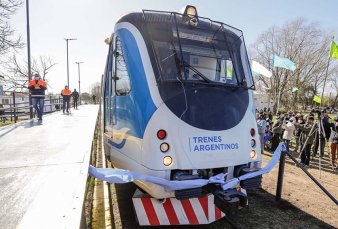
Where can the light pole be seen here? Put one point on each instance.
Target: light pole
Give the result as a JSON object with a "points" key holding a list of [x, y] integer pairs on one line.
{"points": [[68, 39], [78, 68], [29, 57]]}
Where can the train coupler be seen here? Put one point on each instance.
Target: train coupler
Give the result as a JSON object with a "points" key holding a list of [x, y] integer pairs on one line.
{"points": [[229, 201]]}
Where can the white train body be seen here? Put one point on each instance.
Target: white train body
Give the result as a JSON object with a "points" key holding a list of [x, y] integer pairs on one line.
{"points": [[191, 83]]}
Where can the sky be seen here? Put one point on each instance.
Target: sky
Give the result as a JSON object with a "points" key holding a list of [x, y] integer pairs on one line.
{"points": [[91, 21]]}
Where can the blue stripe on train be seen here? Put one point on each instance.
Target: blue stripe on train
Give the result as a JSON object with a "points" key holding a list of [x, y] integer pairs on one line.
{"points": [[134, 110], [117, 145]]}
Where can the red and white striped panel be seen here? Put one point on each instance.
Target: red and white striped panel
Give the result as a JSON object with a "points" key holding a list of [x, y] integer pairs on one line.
{"points": [[192, 211]]}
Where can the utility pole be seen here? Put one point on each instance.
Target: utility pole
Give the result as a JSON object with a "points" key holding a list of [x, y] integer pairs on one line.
{"points": [[78, 68], [68, 39], [29, 58]]}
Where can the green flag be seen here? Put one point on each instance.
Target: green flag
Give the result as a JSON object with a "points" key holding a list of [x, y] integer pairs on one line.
{"points": [[317, 99], [334, 50], [294, 89], [229, 73]]}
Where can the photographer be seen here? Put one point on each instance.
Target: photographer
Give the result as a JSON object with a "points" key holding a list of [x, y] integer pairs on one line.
{"points": [[325, 130], [289, 128], [334, 143], [308, 132], [261, 125], [298, 132], [277, 132]]}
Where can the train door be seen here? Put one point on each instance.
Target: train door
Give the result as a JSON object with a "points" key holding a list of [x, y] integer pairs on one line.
{"points": [[109, 91], [121, 100]]}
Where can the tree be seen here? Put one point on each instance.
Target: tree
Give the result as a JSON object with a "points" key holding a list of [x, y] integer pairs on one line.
{"points": [[334, 82], [96, 89], [304, 43], [86, 97], [16, 74], [7, 42]]}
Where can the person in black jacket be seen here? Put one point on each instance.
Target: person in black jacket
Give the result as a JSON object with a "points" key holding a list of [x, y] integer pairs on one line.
{"points": [[277, 132], [334, 144], [298, 132], [324, 136], [75, 96]]}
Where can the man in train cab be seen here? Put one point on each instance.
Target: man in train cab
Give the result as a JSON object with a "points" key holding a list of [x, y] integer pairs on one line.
{"points": [[37, 89], [66, 94]]}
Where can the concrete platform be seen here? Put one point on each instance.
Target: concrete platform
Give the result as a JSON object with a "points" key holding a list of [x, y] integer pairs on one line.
{"points": [[43, 170]]}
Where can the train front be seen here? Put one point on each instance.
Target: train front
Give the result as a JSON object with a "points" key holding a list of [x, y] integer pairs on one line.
{"points": [[186, 113], [206, 124]]}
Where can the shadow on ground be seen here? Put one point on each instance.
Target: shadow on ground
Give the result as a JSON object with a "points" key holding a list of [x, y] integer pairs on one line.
{"points": [[263, 212]]}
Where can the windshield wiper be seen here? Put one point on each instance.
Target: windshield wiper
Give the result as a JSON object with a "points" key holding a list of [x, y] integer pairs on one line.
{"points": [[184, 65], [206, 79]]}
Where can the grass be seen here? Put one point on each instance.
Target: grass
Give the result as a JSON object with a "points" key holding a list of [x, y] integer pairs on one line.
{"points": [[90, 179], [5, 123]]}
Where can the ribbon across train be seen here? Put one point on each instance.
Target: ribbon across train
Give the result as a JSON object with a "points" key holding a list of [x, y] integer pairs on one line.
{"points": [[126, 176]]}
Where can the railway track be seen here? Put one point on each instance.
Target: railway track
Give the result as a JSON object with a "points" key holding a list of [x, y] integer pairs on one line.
{"points": [[112, 203], [113, 206]]}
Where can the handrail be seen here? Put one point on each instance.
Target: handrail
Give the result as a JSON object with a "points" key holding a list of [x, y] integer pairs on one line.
{"points": [[281, 175], [17, 106], [25, 107]]}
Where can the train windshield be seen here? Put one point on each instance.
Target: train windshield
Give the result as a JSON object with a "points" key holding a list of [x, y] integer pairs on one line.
{"points": [[206, 52]]}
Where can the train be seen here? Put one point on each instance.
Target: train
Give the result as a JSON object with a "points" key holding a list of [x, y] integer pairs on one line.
{"points": [[178, 104]]}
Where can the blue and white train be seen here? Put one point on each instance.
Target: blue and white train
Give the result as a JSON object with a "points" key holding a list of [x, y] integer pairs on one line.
{"points": [[178, 99]]}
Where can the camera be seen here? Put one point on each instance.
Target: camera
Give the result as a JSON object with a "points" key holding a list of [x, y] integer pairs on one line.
{"points": [[316, 110]]}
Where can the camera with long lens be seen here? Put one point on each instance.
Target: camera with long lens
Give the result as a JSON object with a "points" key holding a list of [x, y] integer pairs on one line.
{"points": [[316, 110]]}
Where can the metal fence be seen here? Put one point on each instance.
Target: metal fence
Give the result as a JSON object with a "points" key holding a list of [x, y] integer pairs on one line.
{"points": [[15, 105]]}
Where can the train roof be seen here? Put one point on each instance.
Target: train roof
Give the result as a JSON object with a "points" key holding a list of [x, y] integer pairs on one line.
{"points": [[138, 19]]}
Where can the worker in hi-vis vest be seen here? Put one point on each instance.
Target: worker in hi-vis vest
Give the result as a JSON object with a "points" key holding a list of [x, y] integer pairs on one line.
{"points": [[66, 94], [37, 89]]}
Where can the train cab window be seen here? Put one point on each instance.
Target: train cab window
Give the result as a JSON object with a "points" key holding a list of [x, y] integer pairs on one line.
{"points": [[5, 101], [123, 86], [227, 73]]}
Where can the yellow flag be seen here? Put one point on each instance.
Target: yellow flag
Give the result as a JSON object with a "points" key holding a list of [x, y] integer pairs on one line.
{"points": [[334, 50], [229, 73], [317, 99]]}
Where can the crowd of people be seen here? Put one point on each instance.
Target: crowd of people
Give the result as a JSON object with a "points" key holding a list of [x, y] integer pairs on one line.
{"points": [[307, 133]]}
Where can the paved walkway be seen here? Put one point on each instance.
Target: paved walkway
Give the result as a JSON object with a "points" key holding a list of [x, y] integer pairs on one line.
{"points": [[43, 170]]}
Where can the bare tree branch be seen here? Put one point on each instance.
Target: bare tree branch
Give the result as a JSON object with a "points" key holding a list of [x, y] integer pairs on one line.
{"points": [[16, 74], [304, 43], [7, 42]]}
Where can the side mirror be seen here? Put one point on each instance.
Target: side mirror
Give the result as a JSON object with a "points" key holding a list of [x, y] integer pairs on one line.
{"points": [[116, 53], [115, 78]]}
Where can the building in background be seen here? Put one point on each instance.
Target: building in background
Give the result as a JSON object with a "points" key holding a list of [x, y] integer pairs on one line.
{"points": [[262, 100]]}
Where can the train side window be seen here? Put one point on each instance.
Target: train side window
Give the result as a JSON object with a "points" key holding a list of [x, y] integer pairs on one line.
{"points": [[108, 88], [122, 86]]}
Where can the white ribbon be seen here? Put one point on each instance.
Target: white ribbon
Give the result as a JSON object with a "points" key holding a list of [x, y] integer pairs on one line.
{"points": [[125, 176]]}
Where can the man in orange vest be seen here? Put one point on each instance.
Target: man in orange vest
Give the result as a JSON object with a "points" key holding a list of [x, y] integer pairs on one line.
{"points": [[66, 94], [37, 89]]}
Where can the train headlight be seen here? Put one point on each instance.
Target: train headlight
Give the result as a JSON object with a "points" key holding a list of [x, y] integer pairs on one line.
{"points": [[253, 155], [167, 161], [164, 147], [253, 143]]}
